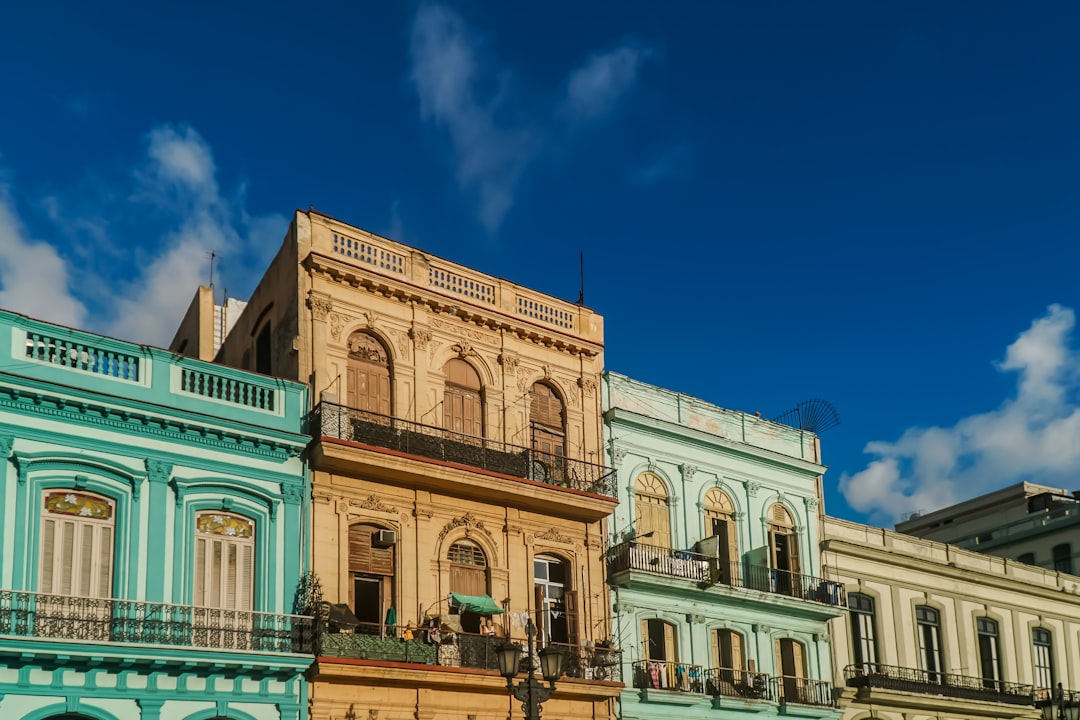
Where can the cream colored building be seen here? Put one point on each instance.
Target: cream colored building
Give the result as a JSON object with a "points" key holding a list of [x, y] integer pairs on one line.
{"points": [[457, 450], [935, 632]]}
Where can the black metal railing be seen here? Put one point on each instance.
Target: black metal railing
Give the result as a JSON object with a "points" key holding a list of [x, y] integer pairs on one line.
{"points": [[666, 675], [914, 680], [37, 615], [707, 570], [730, 682], [344, 423], [427, 646], [1058, 704], [802, 691]]}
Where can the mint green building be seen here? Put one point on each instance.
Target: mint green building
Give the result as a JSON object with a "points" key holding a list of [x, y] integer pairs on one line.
{"points": [[721, 602], [152, 510]]}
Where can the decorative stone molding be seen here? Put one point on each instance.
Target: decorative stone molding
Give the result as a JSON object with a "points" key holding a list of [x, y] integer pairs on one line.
{"points": [[587, 385], [320, 304], [421, 336], [292, 493], [523, 374], [752, 488], [6, 443], [812, 503], [433, 347], [553, 535], [624, 607], [464, 350], [469, 522], [403, 344], [371, 316], [618, 455], [337, 324], [509, 361], [375, 504], [688, 471], [158, 471]]}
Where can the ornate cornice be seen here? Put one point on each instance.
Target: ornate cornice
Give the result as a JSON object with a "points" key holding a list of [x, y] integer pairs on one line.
{"points": [[374, 503], [553, 535], [138, 423], [468, 521]]}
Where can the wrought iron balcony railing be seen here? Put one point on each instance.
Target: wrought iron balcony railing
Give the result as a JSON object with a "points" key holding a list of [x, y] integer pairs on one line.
{"points": [[36, 615], [705, 570], [666, 675], [422, 646], [914, 680], [344, 423], [729, 682], [802, 691]]}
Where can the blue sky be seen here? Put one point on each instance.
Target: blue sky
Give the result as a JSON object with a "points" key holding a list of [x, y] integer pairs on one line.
{"points": [[870, 203]]}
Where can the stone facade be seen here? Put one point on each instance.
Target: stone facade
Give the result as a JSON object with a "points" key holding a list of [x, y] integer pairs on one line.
{"points": [[458, 447], [721, 600], [939, 632], [152, 510]]}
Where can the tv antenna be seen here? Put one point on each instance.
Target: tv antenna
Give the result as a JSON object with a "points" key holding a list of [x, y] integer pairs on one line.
{"points": [[815, 415]]}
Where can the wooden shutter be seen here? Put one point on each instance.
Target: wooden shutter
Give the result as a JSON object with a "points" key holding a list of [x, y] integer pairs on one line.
{"points": [[793, 552], [570, 607], [797, 658], [772, 549], [541, 610], [737, 661], [717, 660], [363, 558], [669, 643], [352, 383], [76, 557], [646, 640]]}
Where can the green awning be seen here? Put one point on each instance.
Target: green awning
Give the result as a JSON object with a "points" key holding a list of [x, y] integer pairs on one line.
{"points": [[479, 604]]}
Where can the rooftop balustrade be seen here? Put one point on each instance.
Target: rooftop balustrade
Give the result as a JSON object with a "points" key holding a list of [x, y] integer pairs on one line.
{"points": [[708, 571], [384, 431], [914, 680], [133, 622]]}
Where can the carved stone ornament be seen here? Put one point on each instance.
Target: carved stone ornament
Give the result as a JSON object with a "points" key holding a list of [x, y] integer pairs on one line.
{"points": [[371, 317], [158, 471], [509, 361], [618, 455], [337, 324], [812, 503], [365, 347], [688, 471], [553, 535], [464, 350], [292, 493], [402, 339], [468, 521], [374, 503], [752, 488], [433, 348], [6, 443], [421, 336], [587, 385], [320, 305], [523, 374], [547, 372]]}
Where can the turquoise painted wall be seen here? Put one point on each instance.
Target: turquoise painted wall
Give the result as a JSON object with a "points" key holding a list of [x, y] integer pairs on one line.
{"points": [[693, 447], [162, 437]]}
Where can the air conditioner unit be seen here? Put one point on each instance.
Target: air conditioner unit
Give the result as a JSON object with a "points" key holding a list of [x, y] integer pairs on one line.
{"points": [[383, 538]]}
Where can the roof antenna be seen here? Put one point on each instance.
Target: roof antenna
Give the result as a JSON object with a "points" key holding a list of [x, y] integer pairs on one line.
{"points": [[212, 256], [581, 263]]}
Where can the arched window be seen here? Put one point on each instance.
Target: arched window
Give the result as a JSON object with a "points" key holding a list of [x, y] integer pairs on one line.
{"points": [[989, 652], [555, 601], [77, 531], [547, 419], [468, 568], [1042, 643], [367, 375], [791, 661], [651, 510], [720, 523], [863, 638], [463, 403], [928, 624], [372, 571], [224, 575], [729, 658], [784, 549]]}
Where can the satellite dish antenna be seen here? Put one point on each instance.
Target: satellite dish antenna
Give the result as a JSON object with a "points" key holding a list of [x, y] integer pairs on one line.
{"points": [[815, 415]]}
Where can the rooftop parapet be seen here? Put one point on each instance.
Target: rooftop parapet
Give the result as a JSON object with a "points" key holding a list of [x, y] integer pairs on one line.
{"points": [[50, 353]]}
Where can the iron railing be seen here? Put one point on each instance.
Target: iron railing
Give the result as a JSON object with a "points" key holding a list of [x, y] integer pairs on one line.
{"points": [[914, 680], [707, 571], [802, 691], [665, 675], [344, 423], [729, 682], [38, 615], [423, 646], [1058, 704]]}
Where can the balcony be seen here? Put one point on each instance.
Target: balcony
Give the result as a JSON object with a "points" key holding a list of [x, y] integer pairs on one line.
{"points": [[457, 650], [446, 446], [707, 571], [803, 691], [732, 683], [131, 622], [671, 676], [913, 680]]}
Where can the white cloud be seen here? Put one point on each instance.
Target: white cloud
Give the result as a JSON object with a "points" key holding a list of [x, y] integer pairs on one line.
{"points": [[595, 88], [142, 293], [34, 278], [495, 140], [1034, 435]]}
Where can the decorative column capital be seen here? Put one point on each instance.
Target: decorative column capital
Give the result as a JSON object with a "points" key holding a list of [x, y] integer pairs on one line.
{"points": [[158, 471], [320, 304]]}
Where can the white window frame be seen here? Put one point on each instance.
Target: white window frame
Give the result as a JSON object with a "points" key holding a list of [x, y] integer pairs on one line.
{"points": [[232, 559]]}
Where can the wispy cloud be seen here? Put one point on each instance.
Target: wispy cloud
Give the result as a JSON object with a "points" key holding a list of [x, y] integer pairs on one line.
{"points": [[176, 215], [1033, 435], [34, 278], [494, 139], [670, 163]]}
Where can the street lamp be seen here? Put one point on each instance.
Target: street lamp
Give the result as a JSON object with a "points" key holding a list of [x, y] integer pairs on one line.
{"points": [[530, 692], [1061, 706]]}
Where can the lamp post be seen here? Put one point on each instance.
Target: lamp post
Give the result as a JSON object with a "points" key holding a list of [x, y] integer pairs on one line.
{"points": [[1061, 705], [530, 692]]}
